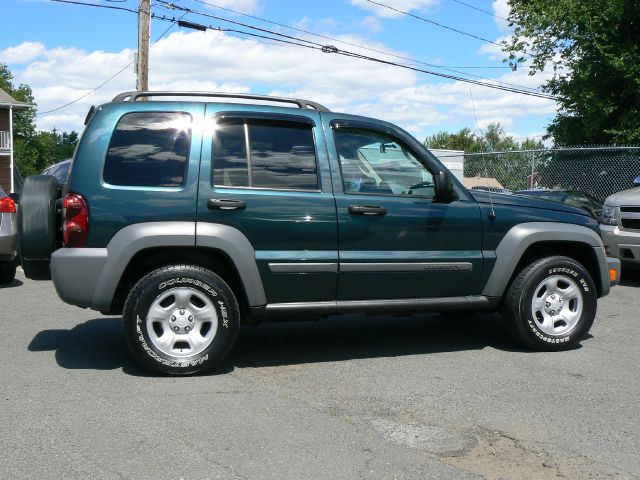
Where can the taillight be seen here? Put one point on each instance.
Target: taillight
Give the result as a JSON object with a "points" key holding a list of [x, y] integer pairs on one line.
{"points": [[7, 205], [75, 229]]}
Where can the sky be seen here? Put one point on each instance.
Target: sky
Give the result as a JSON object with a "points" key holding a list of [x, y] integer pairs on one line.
{"points": [[66, 51]]}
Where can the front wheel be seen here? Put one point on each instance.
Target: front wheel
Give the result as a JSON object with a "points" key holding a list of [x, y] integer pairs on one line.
{"points": [[181, 319], [551, 304]]}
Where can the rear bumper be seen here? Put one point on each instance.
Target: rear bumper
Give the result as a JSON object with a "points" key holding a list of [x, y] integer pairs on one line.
{"points": [[76, 274], [7, 237]]}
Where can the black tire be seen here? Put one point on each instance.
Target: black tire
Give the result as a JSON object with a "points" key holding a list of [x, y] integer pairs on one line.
{"points": [[534, 324], [7, 272], [37, 226], [156, 290]]}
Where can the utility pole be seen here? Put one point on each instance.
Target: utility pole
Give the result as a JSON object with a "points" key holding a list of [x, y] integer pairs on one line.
{"points": [[144, 24], [53, 145]]}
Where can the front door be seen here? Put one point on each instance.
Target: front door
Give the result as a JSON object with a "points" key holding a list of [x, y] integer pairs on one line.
{"points": [[395, 240]]}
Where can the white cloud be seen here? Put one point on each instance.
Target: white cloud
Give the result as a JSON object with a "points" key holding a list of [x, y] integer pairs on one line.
{"points": [[404, 5], [213, 61], [21, 54], [243, 6], [501, 8], [370, 23]]}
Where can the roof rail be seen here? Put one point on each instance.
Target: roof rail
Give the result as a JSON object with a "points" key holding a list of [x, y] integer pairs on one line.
{"points": [[304, 104]]}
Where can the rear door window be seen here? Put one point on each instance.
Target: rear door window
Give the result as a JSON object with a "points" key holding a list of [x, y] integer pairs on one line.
{"points": [[149, 149], [270, 154]]}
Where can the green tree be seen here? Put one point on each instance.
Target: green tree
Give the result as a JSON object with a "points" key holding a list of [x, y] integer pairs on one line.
{"points": [[33, 150], [592, 48], [510, 169], [23, 120]]}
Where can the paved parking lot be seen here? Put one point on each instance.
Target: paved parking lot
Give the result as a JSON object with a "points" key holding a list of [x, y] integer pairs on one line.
{"points": [[348, 397]]}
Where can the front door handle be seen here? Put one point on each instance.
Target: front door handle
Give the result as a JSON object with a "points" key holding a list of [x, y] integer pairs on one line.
{"points": [[225, 204], [367, 210]]}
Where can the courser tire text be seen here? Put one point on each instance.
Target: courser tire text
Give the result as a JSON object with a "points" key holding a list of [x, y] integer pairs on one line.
{"points": [[181, 319], [551, 304]]}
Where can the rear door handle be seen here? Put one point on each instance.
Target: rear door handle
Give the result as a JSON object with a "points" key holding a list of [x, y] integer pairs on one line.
{"points": [[225, 204], [367, 210]]}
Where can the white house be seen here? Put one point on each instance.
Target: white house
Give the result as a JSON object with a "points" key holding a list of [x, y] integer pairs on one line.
{"points": [[7, 105]]}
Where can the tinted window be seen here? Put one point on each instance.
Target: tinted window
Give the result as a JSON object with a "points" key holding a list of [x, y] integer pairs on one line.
{"points": [[373, 162], [281, 155], [149, 149], [230, 155]]}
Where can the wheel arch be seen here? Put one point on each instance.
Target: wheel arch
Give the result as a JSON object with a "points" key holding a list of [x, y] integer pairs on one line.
{"points": [[527, 241], [149, 259], [139, 248]]}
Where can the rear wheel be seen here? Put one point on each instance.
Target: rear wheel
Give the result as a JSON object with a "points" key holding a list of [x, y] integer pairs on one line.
{"points": [[7, 272], [37, 225], [551, 304], [181, 320]]}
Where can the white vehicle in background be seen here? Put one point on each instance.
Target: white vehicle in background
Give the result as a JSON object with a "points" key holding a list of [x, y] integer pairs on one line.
{"points": [[620, 226], [8, 229]]}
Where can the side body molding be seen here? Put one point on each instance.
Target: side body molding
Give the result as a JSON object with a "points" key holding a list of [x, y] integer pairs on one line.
{"points": [[237, 247], [522, 236]]}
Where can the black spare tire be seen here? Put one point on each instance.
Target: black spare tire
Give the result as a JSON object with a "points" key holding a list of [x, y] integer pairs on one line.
{"points": [[37, 226]]}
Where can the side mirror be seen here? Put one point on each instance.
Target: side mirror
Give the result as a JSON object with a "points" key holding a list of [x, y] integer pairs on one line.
{"points": [[15, 197], [444, 185], [636, 181]]}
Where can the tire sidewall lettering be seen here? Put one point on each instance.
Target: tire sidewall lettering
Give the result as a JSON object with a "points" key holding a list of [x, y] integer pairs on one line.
{"points": [[142, 308], [572, 272]]}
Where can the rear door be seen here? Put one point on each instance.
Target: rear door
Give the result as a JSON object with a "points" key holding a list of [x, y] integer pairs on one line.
{"points": [[396, 241], [267, 175]]}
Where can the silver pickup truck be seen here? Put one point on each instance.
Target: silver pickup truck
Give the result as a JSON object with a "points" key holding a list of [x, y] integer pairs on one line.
{"points": [[620, 226]]}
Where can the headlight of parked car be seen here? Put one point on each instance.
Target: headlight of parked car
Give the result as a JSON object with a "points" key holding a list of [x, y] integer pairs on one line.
{"points": [[610, 215]]}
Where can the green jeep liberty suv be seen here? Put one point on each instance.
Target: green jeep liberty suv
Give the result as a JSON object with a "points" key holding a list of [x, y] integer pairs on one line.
{"points": [[190, 217]]}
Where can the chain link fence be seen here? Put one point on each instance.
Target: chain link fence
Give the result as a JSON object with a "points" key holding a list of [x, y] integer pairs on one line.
{"points": [[598, 171]]}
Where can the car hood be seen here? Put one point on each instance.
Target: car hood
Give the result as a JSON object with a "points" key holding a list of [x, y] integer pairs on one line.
{"points": [[626, 197], [525, 201]]}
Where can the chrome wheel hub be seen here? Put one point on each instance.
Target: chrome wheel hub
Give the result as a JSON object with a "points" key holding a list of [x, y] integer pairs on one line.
{"points": [[553, 304], [557, 305], [182, 322]]}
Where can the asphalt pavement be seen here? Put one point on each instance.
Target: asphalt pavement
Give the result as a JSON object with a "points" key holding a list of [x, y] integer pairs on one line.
{"points": [[349, 397]]}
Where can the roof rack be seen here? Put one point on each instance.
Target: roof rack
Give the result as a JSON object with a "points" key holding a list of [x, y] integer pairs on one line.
{"points": [[303, 104]]}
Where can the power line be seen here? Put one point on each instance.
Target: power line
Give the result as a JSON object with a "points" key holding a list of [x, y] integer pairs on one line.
{"points": [[111, 7], [108, 79], [333, 49], [294, 41], [333, 39], [481, 10], [418, 17], [271, 32]]}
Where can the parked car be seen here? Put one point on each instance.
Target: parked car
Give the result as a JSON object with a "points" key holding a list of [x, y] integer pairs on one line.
{"points": [[576, 198], [59, 170], [621, 226], [8, 229], [190, 218], [487, 188]]}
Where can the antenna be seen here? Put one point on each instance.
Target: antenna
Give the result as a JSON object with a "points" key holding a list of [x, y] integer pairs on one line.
{"points": [[474, 113], [492, 213]]}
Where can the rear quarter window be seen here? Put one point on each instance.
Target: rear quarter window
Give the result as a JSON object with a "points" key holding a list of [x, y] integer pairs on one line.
{"points": [[149, 149]]}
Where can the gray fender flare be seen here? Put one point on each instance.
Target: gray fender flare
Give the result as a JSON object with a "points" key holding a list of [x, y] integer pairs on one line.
{"points": [[522, 236], [134, 238]]}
